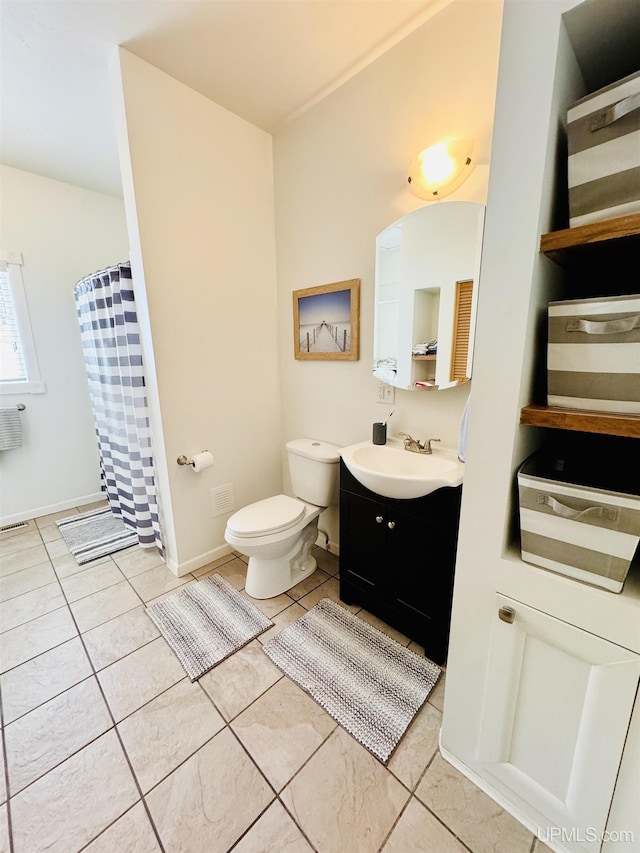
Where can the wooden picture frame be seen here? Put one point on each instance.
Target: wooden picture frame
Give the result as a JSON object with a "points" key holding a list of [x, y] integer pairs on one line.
{"points": [[326, 322]]}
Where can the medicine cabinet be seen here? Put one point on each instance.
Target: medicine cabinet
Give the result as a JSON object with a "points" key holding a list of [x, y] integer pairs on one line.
{"points": [[427, 268]]}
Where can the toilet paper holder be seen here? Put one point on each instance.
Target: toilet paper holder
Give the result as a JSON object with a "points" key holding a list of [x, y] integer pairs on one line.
{"points": [[199, 461], [184, 460]]}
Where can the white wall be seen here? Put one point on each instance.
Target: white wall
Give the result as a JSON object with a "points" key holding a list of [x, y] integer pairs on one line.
{"points": [[500, 346], [198, 189], [341, 178], [64, 234]]}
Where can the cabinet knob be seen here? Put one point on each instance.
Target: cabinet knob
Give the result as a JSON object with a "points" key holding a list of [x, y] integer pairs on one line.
{"points": [[391, 525], [379, 519], [507, 614]]}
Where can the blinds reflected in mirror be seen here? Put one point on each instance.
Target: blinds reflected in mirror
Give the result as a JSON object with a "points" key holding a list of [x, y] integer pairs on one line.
{"points": [[461, 330]]}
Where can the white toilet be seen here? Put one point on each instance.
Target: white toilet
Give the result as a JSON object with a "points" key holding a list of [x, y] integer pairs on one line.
{"points": [[277, 533]]}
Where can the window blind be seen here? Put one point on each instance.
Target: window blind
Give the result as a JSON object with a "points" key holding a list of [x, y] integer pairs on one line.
{"points": [[13, 366]]}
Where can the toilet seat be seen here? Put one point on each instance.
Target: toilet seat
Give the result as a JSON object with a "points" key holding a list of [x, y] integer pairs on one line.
{"points": [[272, 515]]}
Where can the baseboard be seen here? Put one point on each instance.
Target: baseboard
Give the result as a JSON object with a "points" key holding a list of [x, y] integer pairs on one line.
{"points": [[181, 569], [323, 541], [333, 548], [38, 512]]}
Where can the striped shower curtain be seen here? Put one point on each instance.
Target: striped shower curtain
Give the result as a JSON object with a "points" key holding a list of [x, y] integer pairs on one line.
{"points": [[106, 310]]}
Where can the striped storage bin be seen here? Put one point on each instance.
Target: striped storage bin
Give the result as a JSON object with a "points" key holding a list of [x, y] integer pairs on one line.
{"points": [[585, 533], [593, 354], [603, 136]]}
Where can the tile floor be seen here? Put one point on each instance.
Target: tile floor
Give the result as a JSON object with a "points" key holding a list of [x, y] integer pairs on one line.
{"points": [[108, 748]]}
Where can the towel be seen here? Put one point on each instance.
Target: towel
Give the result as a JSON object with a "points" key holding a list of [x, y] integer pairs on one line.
{"points": [[385, 374], [428, 348], [10, 429], [462, 437]]}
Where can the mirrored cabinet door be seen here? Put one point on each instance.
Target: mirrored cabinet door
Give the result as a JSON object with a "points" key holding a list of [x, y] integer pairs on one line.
{"points": [[427, 267]]}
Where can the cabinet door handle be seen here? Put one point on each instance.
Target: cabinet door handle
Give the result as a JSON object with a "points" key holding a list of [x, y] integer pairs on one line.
{"points": [[391, 525], [379, 519], [507, 614]]}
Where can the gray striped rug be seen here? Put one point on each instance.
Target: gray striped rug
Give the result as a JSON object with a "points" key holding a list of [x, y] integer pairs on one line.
{"points": [[205, 622], [371, 685], [95, 534]]}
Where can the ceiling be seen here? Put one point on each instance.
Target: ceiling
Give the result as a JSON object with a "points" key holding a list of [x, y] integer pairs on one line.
{"points": [[265, 60]]}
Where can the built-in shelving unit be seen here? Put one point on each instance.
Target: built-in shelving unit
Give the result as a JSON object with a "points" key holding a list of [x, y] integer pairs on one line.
{"points": [[424, 357], [525, 742], [562, 246]]}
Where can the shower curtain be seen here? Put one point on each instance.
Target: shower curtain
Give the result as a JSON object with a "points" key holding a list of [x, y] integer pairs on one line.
{"points": [[106, 310]]}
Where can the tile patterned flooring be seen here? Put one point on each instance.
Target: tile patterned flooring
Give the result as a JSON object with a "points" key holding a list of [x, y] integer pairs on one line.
{"points": [[107, 747]]}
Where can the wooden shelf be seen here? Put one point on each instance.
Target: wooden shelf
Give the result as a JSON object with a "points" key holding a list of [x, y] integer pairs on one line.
{"points": [[424, 357], [557, 243], [622, 234], [604, 423]]}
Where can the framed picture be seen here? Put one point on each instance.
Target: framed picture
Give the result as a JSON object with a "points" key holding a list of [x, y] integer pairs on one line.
{"points": [[326, 321]]}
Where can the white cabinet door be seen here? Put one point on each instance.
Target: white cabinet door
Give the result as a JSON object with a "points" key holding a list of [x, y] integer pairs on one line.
{"points": [[555, 716]]}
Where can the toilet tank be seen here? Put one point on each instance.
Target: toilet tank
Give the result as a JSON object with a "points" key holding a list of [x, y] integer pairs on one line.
{"points": [[314, 468]]}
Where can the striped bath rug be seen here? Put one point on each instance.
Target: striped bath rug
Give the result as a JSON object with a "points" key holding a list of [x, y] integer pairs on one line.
{"points": [[205, 622], [95, 534], [370, 684]]}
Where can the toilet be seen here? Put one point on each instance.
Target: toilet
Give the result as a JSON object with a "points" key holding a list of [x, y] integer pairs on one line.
{"points": [[277, 533]]}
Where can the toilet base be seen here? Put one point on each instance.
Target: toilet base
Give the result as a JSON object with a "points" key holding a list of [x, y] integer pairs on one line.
{"points": [[268, 577]]}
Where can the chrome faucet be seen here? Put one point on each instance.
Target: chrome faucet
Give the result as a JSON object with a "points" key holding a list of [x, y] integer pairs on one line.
{"points": [[415, 446]]}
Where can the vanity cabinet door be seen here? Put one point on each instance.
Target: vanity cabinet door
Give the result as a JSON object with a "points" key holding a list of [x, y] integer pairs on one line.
{"points": [[422, 557], [408, 548], [363, 549], [555, 718]]}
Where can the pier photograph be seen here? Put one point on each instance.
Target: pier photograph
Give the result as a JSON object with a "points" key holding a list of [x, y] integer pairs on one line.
{"points": [[326, 321]]}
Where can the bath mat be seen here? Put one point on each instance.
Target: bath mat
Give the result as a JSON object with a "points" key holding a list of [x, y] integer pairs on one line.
{"points": [[205, 622], [371, 685], [95, 534]]}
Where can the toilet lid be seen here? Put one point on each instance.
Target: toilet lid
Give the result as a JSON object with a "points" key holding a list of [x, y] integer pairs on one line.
{"points": [[271, 515]]}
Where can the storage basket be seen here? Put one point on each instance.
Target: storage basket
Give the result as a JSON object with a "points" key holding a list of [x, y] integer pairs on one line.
{"points": [[593, 355], [603, 136], [584, 532]]}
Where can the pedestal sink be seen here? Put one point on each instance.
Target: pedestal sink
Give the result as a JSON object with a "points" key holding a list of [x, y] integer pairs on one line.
{"points": [[393, 472]]}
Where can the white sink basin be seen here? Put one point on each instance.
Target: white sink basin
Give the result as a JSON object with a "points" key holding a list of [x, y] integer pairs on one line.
{"points": [[393, 472]]}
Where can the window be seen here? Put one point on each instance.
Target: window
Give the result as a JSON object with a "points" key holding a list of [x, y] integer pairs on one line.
{"points": [[19, 370]]}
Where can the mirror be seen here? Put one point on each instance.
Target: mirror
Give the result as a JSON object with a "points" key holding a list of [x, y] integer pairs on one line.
{"points": [[426, 293]]}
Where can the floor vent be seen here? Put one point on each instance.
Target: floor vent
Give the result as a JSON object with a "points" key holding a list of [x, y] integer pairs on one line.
{"points": [[222, 499], [19, 525]]}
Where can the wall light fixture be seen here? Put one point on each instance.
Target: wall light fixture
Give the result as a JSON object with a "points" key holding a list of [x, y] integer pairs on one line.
{"points": [[440, 169]]}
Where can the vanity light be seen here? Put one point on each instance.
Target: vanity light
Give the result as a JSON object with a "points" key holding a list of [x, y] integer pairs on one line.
{"points": [[440, 169]]}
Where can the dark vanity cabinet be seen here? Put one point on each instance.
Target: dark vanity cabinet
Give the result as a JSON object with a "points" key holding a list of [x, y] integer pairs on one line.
{"points": [[397, 559]]}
